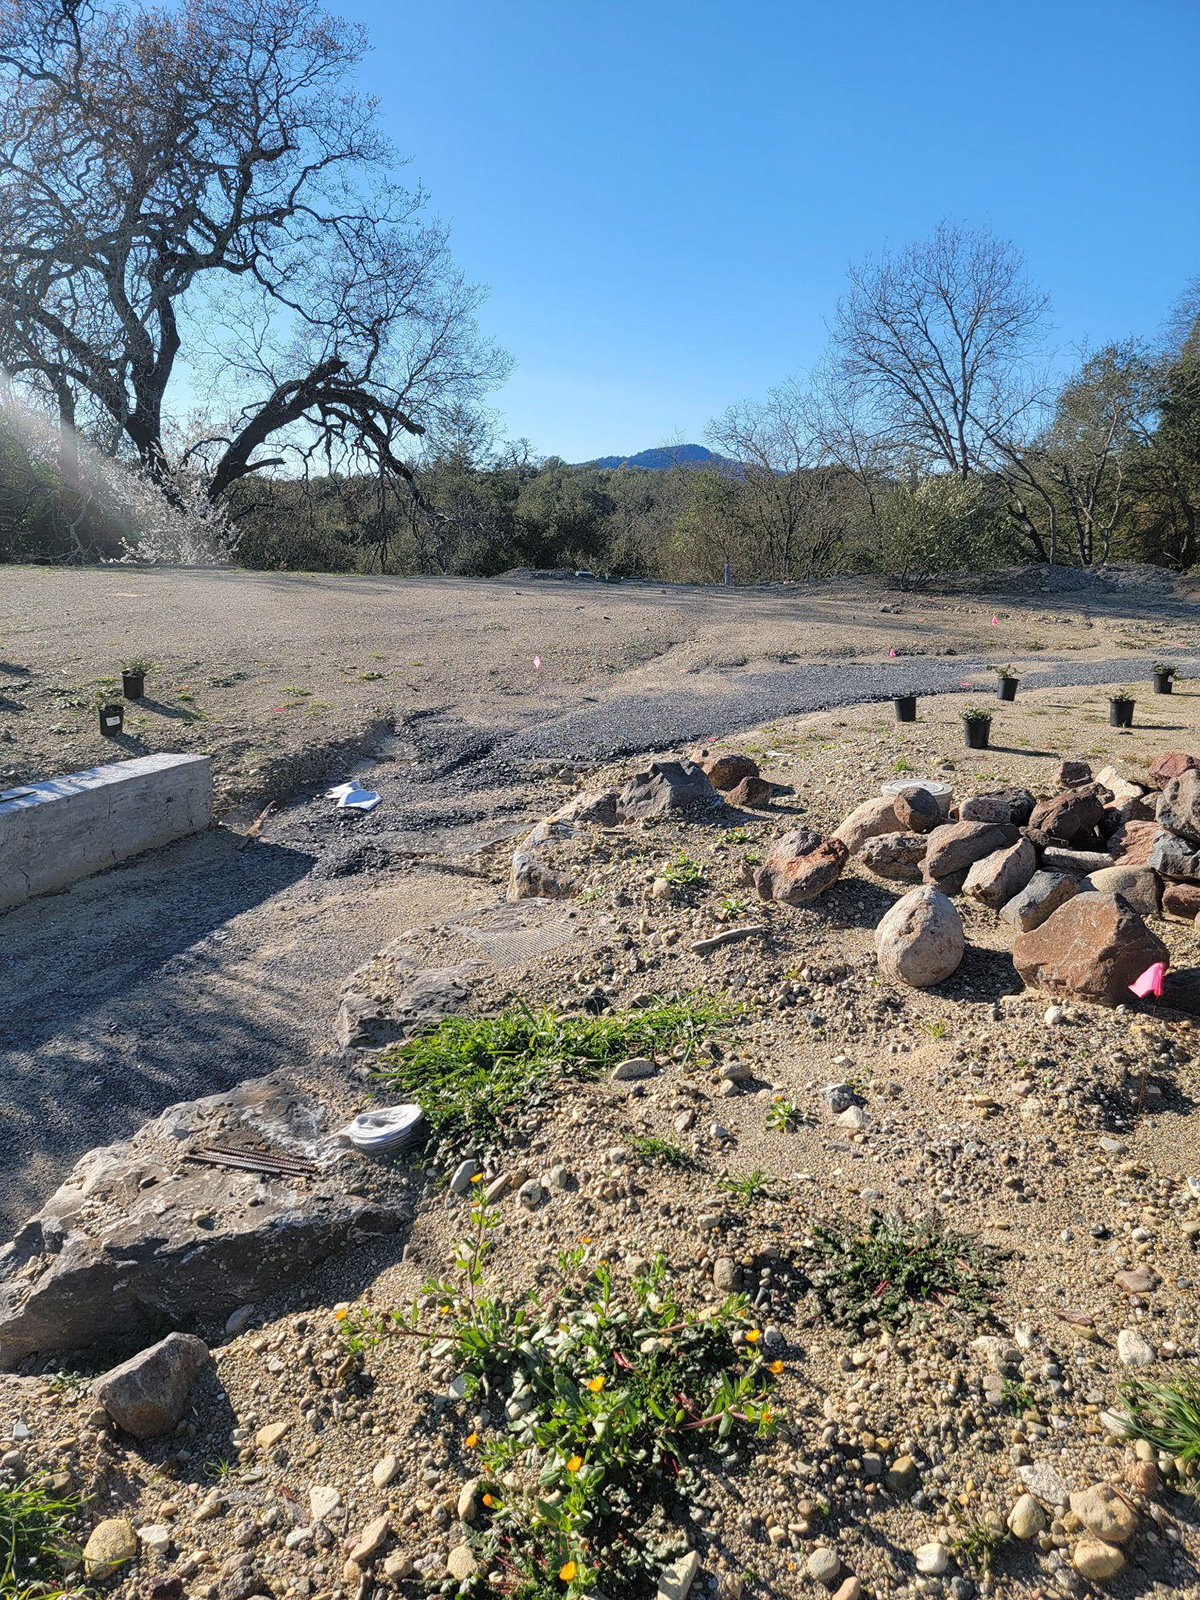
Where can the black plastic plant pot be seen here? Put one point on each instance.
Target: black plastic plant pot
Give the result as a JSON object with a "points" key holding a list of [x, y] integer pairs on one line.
{"points": [[1007, 688], [1163, 682], [112, 720], [133, 685], [1120, 711], [906, 707], [978, 731]]}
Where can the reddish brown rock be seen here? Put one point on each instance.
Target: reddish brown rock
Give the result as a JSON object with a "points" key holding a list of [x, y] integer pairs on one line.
{"points": [[1069, 814], [1170, 765], [895, 856], [995, 879], [998, 805], [956, 846], [1181, 900], [1092, 948], [751, 791], [1133, 842], [917, 810], [725, 769], [800, 866]]}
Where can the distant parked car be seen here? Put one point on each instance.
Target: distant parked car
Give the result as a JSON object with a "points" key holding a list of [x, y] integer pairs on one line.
{"points": [[585, 572]]}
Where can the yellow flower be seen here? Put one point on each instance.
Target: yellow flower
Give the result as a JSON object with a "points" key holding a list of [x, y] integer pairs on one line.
{"points": [[340, 1314], [585, 1239], [443, 1311], [753, 1335], [568, 1571], [472, 1440], [488, 1501], [595, 1385], [478, 1178], [776, 1367], [766, 1416], [574, 1464]]}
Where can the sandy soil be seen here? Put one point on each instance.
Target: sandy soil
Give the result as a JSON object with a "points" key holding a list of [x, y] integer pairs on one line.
{"points": [[275, 674]]}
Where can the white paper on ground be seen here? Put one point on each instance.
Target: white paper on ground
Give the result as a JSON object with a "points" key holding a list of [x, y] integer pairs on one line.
{"points": [[343, 789], [359, 800]]}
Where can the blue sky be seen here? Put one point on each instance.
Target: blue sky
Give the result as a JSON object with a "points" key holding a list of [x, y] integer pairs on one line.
{"points": [[663, 198]]}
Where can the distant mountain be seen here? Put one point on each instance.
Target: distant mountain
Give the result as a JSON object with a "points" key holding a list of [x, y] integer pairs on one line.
{"points": [[665, 457]]}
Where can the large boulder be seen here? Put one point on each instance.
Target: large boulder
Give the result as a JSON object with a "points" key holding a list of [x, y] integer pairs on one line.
{"points": [[1074, 812], [994, 880], [800, 866], [1091, 948], [140, 1240], [667, 787], [865, 822], [955, 847], [1014, 806], [1039, 899], [920, 941], [1170, 765], [725, 769], [1179, 805], [146, 1394], [895, 856]]}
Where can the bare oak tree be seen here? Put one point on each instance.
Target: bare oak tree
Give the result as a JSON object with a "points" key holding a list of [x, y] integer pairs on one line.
{"points": [[934, 344], [200, 193]]}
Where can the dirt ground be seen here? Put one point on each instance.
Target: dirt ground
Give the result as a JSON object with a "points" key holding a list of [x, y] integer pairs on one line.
{"points": [[275, 674], [1065, 1144]]}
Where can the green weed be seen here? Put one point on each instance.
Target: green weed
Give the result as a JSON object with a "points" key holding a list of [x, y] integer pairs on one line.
{"points": [[472, 1075], [685, 872], [613, 1394], [663, 1152], [750, 1188], [35, 1534], [895, 1270], [1167, 1415]]}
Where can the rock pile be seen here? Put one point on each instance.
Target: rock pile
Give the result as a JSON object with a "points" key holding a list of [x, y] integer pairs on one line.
{"points": [[1075, 873]]}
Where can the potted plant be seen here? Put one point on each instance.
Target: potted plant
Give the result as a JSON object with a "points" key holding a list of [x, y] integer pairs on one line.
{"points": [[977, 725], [906, 707], [1120, 710], [111, 713], [133, 678], [1006, 683], [1164, 677]]}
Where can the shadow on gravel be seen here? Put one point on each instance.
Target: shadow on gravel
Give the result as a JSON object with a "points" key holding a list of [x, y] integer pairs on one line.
{"points": [[122, 994]]}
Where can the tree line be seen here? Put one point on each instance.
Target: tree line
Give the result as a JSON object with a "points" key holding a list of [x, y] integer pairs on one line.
{"points": [[225, 323]]}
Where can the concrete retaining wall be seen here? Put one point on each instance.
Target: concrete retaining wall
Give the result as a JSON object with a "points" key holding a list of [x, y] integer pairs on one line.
{"points": [[64, 829]]}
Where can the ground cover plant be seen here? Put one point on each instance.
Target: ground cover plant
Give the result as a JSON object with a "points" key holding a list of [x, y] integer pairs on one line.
{"points": [[896, 1270], [471, 1075], [608, 1397]]}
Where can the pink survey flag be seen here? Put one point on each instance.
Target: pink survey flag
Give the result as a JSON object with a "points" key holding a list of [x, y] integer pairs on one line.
{"points": [[891, 652], [1150, 982], [995, 622], [537, 663]]}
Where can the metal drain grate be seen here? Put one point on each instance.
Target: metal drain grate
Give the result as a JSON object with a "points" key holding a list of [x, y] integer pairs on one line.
{"points": [[250, 1160]]}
